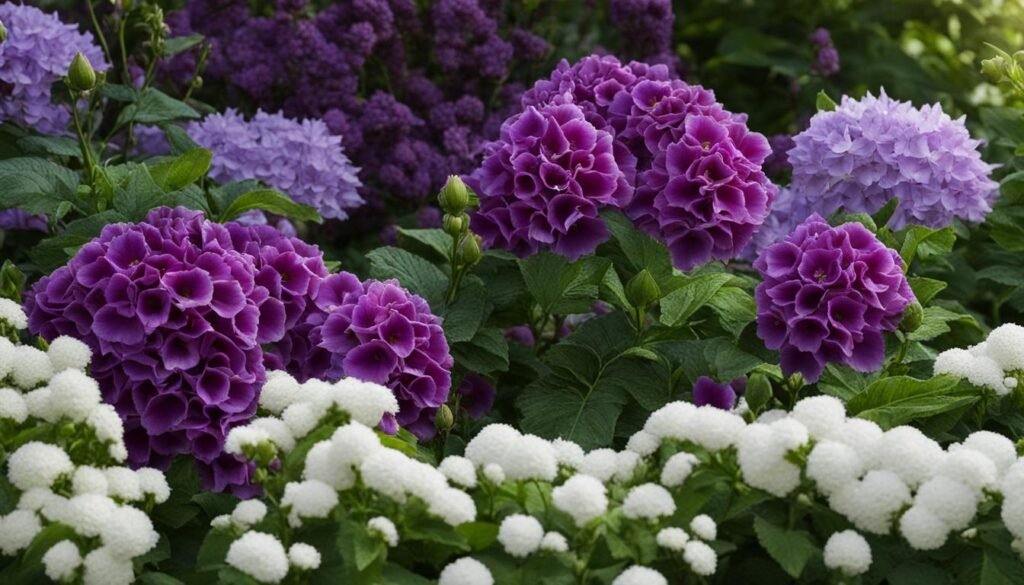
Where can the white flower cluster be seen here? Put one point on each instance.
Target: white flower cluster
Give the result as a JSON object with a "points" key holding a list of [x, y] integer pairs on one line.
{"points": [[994, 363]]}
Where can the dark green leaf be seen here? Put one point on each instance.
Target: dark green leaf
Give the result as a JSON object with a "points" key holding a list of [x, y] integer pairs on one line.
{"points": [[53, 252], [696, 292], [560, 287], [138, 194], [180, 141], [154, 106], [183, 170], [841, 382], [898, 400], [35, 185], [479, 535], [640, 250], [487, 352], [272, 201], [735, 308], [149, 578], [792, 549], [55, 145], [416, 274], [922, 242], [925, 289], [936, 322], [181, 44], [463, 317], [432, 244]]}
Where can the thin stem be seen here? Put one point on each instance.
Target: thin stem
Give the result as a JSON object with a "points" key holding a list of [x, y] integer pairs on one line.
{"points": [[82, 142], [126, 79], [99, 32]]}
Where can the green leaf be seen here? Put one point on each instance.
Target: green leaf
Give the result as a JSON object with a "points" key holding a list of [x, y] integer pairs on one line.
{"points": [[272, 201], [935, 323], [487, 352], [925, 242], [53, 252], [479, 535], [925, 289], [898, 400], [841, 382], [36, 185], [560, 287], [824, 103], [696, 292], [183, 170], [12, 281], [214, 550], [138, 194], [181, 44], [148, 578], [28, 568], [640, 251], [179, 139], [432, 244], [1007, 275], [735, 308], [883, 215], [153, 107], [792, 549], [463, 317], [1006, 122], [415, 273], [55, 145], [394, 574]]}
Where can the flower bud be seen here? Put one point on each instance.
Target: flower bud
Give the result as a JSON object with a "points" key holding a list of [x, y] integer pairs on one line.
{"points": [[1018, 58], [3, 32], [913, 315], [470, 250], [453, 225], [445, 420], [993, 68], [81, 75], [642, 290], [454, 196], [758, 392]]}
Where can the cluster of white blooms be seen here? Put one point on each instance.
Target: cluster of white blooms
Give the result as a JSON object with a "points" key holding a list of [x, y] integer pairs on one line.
{"points": [[75, 487], [995, 363], [518, 456]]}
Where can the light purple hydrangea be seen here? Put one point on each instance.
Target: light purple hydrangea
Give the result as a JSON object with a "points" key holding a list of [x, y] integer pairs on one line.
{"points": [[787, 213], [301, 159], [38, 51], [826, 57], [827, 296], [543, 183], [375, 331], [175, 309], [871, 150]]}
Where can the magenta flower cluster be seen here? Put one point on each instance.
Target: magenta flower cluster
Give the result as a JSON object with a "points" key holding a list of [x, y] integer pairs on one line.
{"points": [[827, 296], [869, 151], [301, 159], [375, 331], [37, 53], [175, 309], [692, 169], [544, 182]]}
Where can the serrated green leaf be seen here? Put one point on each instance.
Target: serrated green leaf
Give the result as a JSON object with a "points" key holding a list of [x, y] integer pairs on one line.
{"points": [[272, 201], [412, 271], [898, 400], [735, 308], [433, 244], [55, 145], [560, 287], [463, 317], [183, 170], [487, 352], [153, 107], [935, 323], [176, 45], [792, 549], [686, 300], [922, 242], [925, 289], [639, 250], [138, 194], [479, 535]]}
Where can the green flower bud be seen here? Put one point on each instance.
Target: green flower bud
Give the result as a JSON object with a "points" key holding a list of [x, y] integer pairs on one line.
{"points": [[993, 68], [913, 315], [453, 225], [454, 196], [81, 75], [470, 250], [3, 32], [1018, 58], [445, 420], [265, 453], [759, 391], [642, 290]]}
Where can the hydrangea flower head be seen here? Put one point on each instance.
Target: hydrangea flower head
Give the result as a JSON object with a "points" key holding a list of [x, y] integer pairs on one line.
{"points": [[175, 309], [544, 182], [38, 50], [874, 149], [827, 296], [301, 159], [378, 332]]}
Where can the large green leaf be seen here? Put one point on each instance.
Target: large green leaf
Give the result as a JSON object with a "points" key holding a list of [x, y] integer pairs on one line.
{"points": [[182, 170], [415, 273], [272, 201], [922, 242], [36, 185], [696, 292], [463, 317], [138, 194], [639, 250], [899, 400], [153, 107], [53, 252], [792, 549], [486, 352], [561, 287], [936, 322]]}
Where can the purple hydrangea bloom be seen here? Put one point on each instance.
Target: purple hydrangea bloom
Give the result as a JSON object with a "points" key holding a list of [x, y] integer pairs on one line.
{"points": [[38, 51], [476, 395], [871, 150], [826, 59], [375, 331], [544, 182], [301, 159], [778, 161], [787, 212], [827, 296], [175, 309], [708, 392], [16, 219], [646, 26]]}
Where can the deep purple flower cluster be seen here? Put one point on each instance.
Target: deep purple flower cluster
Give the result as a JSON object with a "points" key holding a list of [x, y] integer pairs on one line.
{"points": [[476, 395], [724, 396], [787, 212], [175, 309], [826, 57], [827, 296], [695, 167], [375, 331], [301, 159], [16, 219], [38, 50], [871, 150], [544, 182], [646, 28], [777, 162]]}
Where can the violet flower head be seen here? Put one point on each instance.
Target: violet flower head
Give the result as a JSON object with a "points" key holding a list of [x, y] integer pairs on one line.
{"points": [[827, 296], [18, 220], [704, 193], [645, 25], [378, 332], [778, 161], [826, 59], [708, 392], [787, 212], [175, 309], [476, 396], [871, 150], [37, 53], [543, 183], [301, 159]]}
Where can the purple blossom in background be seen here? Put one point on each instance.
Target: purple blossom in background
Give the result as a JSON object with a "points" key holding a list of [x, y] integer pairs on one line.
{"points": [[646, 28], [871, 150], [826, 59], [175, 309], [827, 296], [301, 159], [16, 219], [476, 395], [521, 334], [778, 161], [708, 392], [375, 331], [544, 181], [38, 51], [787, 213]]}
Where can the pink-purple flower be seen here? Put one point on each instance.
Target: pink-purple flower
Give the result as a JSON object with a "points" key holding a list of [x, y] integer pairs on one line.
{"points": [[827, 296], [708, 392]]}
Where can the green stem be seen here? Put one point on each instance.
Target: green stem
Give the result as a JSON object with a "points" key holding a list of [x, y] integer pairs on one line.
{"points": [[126, 79], [99, 31], [82, 142]]}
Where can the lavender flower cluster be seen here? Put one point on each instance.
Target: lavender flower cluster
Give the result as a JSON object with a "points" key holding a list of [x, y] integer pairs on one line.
{"points": [[301, 159], [692, 169], [38, 50], [827, 296], [826, 56], [349, 64]]}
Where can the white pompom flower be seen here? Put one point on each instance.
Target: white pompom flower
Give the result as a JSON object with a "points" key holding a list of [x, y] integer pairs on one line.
{"points": [[600, 464], [279, 392], [31, 367], [582, 497], [12, 405], [701, 558], [554, 542], [241, 439], [678, 468], [459, 470], [102, 567], [259, 555], [153, 484], [385, 529], [277, 430], [832, 465], [822, 415], [308, 499], [649, 501], [848, 552], [465, 571], [37, 465], [17, 530], [248, 513], [520, 535], [13, 314], [74, 395], [68, 353], [568, 453], [703, 527], [951, 501], [922, 529], [128, 533], [89, 480], [62, 560], [637, 575], [672, 538], [303, 557], [123, 484]]}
